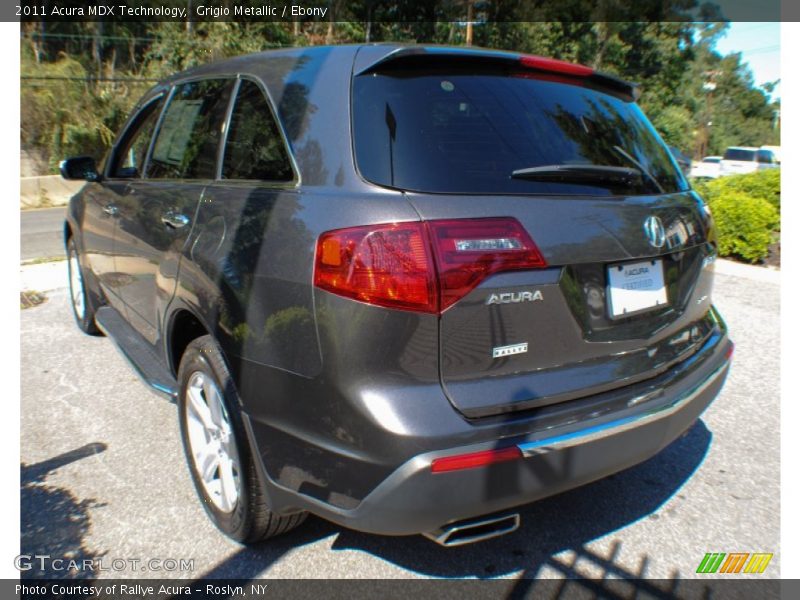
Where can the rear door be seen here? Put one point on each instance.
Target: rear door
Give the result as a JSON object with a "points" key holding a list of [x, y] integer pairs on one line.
{"points": [[247, 238], [157, 212], [625, 291]]}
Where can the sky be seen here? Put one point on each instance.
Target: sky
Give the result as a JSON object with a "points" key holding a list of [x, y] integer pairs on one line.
{"points": [[760, 45]]}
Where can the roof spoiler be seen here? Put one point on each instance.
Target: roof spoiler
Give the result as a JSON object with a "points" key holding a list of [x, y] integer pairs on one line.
{"points": [[524, 61]]}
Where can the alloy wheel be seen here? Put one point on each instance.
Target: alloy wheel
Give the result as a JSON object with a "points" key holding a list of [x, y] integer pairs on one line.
{"points": [[213, 446], [77, 292]]}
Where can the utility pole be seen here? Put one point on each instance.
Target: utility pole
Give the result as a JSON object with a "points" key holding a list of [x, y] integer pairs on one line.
{"points": [[709, 85], [469, 23]]}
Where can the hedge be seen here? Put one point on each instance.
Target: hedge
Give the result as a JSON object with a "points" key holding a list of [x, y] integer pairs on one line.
{"points": [[744, 224], [764, 184]]}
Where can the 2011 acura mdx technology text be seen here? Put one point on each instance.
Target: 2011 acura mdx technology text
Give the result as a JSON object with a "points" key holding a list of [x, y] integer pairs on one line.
{"points": [[404, 288]]}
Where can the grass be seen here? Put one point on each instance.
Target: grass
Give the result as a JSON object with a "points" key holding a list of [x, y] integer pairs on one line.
{"points": [[31, 298], [44, 259]]}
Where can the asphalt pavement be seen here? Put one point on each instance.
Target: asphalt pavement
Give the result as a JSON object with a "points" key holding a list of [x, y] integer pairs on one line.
{"points": [[103, 476], [42, 233]]}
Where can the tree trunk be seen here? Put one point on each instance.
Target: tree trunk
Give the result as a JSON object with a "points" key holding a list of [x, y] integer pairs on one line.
{"points": [[329, 34], [603, 37], [113, 65], [132, 53], [97, 49]]}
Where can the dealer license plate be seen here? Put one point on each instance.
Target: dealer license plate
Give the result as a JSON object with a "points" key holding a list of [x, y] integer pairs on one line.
{"points": [[635, 287]]}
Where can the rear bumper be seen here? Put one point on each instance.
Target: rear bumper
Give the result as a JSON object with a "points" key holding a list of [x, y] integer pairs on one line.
{"points": [[414, 500]]}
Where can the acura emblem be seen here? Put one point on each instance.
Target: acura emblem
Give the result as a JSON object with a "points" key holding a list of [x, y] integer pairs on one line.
{"points": [[654, 230]]}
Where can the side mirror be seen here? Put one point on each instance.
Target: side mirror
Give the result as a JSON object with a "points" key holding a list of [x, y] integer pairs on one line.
{"points": [[79, 167]]}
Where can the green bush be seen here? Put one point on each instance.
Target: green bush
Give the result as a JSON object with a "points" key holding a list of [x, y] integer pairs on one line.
{"points": [[69, 116], [764, 184], [744, 224]]}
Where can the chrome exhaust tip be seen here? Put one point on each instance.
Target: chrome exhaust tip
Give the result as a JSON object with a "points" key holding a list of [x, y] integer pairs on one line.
{"points": [[477, 530]]}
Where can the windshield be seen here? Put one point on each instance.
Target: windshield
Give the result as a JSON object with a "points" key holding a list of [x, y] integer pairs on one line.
{"points": [[740, 154], [459, 131]]}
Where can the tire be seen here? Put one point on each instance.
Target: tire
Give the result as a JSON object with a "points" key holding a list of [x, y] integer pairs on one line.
{"points": [[214, 441], [82, 307]]}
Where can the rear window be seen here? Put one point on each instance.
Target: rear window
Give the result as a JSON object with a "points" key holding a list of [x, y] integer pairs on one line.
{"points": [[740, 154], [456, 131], [711, 160]]}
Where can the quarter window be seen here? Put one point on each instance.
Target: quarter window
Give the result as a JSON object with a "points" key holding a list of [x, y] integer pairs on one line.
{"points": [[189, 136], [255, 148]]}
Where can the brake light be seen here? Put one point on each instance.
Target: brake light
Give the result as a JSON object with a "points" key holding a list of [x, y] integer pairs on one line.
{"points": [[475, 459], [470, 250], [555, 66], [421, 266]]}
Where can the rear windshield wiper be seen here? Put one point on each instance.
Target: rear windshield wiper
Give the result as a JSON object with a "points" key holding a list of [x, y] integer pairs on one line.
{"points": [[644, 171], [580, 173]]}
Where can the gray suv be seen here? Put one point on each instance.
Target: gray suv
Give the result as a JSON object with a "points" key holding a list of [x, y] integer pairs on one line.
{"points": [[404, 288]]}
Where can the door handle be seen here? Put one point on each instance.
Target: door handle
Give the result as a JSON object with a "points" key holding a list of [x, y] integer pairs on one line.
{"points": [[111, 210], [174, 220]]}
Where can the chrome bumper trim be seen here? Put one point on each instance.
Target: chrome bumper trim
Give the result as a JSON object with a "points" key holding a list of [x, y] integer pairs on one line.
{"points": [[603, 430]]}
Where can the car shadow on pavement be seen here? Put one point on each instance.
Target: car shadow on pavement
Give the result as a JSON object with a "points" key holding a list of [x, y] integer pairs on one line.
{"points": [[566, 522], [53, 522]]}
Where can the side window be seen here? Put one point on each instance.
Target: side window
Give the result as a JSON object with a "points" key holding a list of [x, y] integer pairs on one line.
{"points": [[255, 148], [188, 140], [131, 152], [764, 156]]}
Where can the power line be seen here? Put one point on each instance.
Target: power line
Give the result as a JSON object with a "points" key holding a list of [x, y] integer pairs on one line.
{"points": [[755, 27], [763, 50], [113, 38], [90, 79], [84, 36]]}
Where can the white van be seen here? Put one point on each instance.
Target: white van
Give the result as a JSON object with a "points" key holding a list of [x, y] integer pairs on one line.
{"points": [[742, 159]]}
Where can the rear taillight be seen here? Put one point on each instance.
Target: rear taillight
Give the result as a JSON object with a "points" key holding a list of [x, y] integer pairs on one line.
{"points": [[392, 265], [388, 265], [470, 250]]}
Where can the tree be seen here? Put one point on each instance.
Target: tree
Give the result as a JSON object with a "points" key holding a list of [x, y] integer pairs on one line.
{"points": [[79, 111]]}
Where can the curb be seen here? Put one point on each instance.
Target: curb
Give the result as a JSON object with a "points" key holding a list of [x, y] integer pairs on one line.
{"points": [[46, 191], [43, 277], [751, 272]]}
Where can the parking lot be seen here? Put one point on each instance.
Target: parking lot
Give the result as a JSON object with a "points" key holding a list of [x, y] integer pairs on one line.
{"points": [[103, 477]]}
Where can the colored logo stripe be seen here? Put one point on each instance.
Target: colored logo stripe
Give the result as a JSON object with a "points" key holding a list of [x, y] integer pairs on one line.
{"points": [[734, 562], [758, 563], [713, 562]]}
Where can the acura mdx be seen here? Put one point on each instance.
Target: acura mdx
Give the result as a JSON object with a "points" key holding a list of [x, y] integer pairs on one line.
{"points": [[404, 288]]}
